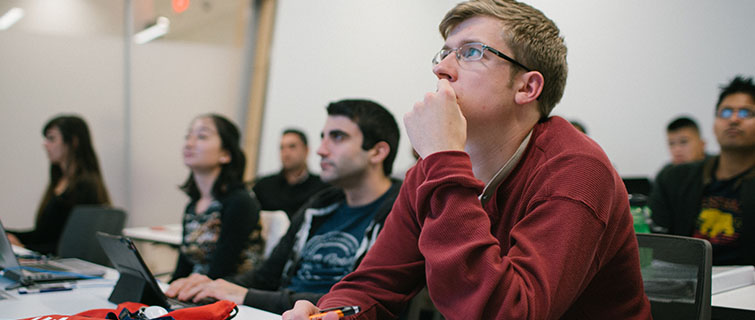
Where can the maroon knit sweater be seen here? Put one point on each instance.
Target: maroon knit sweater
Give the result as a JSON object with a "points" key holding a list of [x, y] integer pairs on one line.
{"points": [[554, 241]]}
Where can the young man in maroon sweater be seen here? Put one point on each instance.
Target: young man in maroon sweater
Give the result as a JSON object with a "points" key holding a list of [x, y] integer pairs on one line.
{"points": [[510, 213]]}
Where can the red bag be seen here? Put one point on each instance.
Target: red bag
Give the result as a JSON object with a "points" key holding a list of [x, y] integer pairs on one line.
{"points": [[221, 310]]}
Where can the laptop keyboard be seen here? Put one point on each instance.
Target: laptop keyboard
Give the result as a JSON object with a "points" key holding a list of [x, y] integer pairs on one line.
{"points": [[43, 276], [75, 264], [43, 266]]}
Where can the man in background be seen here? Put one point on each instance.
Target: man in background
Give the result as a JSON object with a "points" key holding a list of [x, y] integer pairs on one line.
{"points": [[288, 189], [684, 141], [714, 199]]}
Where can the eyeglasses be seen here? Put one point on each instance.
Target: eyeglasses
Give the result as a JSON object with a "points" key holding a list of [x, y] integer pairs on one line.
{"points": [[742, 113], [473, 52]]}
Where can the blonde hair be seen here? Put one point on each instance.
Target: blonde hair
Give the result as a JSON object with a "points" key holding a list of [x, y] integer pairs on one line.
{"points": [[534, 39]]}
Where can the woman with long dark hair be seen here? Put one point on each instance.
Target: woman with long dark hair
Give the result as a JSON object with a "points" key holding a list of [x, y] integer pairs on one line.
{"points": [[75, 179], [221, 220]]}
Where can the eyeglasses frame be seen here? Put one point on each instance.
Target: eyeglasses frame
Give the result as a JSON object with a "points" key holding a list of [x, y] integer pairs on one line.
{"points": [[484, 47], [742, 113]]}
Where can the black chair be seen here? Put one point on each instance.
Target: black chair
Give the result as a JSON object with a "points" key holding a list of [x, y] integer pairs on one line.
{"points": [[637, 185], [78, 239], [676, 273], [421, 307]]}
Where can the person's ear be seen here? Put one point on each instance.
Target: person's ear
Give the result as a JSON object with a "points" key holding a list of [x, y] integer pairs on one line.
{"points": [[530, 87], [379, 152]]}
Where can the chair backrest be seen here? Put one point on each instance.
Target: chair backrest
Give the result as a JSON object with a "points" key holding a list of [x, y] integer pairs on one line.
{"points": [[676, 273], [637, 185], [78, 239], [274, 226]]}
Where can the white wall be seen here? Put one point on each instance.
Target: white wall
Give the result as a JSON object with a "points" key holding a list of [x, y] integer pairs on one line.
{"points": [[43, 76], [172, 83], [634, 65]]}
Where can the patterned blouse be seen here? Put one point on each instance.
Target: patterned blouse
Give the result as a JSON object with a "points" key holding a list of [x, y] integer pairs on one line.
{"points": [[223, 240]]}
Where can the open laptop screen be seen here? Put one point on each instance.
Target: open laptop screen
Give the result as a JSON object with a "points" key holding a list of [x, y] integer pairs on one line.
{"points": [[8, 259], [28, 272], [136, 282]]}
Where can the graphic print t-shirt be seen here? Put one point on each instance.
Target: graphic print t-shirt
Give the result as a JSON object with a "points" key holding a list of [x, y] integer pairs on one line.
{"points": [[720, 219], [331, 253]]}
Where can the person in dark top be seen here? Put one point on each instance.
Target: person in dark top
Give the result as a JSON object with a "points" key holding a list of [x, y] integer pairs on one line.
{"points": [[221, 236], [714, 199], [75, 179], [330, 234], [288, 189]]}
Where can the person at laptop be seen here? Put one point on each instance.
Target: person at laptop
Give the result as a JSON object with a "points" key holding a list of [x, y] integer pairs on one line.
{"points": [[30, 271], [75, 179], [220, 228], [331, 233]]}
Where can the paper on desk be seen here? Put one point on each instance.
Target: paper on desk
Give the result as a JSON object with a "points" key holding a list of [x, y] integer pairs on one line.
{"points": [[731, 277], [21, 251]]}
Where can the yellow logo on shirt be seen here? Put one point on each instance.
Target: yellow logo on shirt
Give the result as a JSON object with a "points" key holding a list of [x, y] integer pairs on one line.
{"points": [[714, 222]]}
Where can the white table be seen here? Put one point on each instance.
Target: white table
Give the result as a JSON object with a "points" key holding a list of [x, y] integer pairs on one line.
{"points": [[88, 294], [741, 298], [168, 234], [737, 303], [742, 279], [93, 294]]}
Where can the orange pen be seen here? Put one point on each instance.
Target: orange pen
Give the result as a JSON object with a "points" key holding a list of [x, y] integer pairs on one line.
{"points": [[341, 311]]}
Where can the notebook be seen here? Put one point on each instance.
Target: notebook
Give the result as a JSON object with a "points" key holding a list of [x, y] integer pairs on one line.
{"points": [[136, 283], [43, 270]]}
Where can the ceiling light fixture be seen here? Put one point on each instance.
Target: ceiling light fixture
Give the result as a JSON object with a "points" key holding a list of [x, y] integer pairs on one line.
{"points": [[159, 29], [11, 17]]}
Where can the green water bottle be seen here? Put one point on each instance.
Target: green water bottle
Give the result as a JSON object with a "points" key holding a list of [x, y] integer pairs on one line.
{"points": [[638, 205]]}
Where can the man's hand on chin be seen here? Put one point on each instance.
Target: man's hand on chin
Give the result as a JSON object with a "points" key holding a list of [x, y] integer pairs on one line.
{"points": [[436, 123]]}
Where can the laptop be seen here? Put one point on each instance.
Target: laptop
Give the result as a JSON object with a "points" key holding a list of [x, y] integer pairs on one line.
{"points": [[136, 283], [28, 272]]}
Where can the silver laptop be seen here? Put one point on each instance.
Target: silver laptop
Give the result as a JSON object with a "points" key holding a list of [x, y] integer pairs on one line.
{"points": [[43, 270]]}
